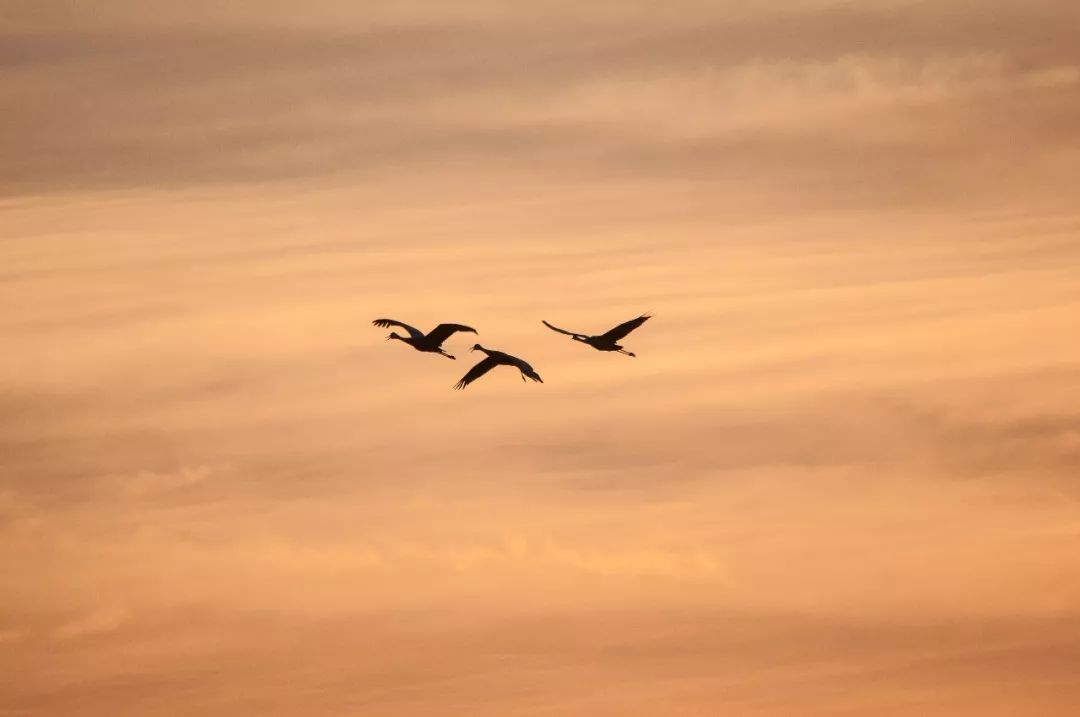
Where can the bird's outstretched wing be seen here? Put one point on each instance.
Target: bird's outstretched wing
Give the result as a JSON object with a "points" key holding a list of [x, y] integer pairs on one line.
{"points": [[444, 331], [476, 372], [624, 328], [562, 331], [387, 323], [526, 369]]}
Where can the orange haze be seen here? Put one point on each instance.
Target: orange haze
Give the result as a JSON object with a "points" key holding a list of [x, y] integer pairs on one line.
{"points": [[840, 478]]}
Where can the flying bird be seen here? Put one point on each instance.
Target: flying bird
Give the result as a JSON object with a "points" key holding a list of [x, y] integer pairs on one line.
{"points": [[430, 342], [608, 341], [496, 358]]}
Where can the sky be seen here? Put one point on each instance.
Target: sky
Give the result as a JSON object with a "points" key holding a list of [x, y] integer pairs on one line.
{"points": [[839, 478]]}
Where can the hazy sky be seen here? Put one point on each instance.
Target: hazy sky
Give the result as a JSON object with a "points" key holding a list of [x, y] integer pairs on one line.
{"points": [[841, 477]]}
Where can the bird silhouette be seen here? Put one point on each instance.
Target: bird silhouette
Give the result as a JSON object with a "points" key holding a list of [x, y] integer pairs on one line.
{"points": [[496, 358], [607, 341], [429, 343]]}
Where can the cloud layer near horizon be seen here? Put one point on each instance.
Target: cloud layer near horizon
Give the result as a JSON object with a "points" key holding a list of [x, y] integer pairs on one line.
{"points": [[839, 478]]}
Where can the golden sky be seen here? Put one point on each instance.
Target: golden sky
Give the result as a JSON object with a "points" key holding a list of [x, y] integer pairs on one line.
{"points": [[840, 478]]}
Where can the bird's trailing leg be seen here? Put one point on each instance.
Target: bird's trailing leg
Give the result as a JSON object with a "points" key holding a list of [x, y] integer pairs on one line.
{"points": [[447, 355], [628, 353]]}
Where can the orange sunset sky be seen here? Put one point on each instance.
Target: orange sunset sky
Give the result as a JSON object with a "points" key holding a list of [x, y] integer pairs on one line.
{"points": [[841, 477]]}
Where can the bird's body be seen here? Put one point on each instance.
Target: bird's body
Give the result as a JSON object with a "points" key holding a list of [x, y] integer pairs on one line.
{"points": [[430, 342], [606, 341], [496, 358]]}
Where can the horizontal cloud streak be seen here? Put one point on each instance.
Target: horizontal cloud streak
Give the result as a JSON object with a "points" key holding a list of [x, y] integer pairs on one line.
{"points": [[761, 100]]}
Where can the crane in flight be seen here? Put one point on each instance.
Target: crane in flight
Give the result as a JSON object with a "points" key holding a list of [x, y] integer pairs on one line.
{"points": [[430, 342], [607, 341], [496, 358]]}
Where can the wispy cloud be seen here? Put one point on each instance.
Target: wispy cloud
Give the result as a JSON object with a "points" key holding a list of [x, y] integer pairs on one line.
{"points": [[889, 97], [98, 622]]}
